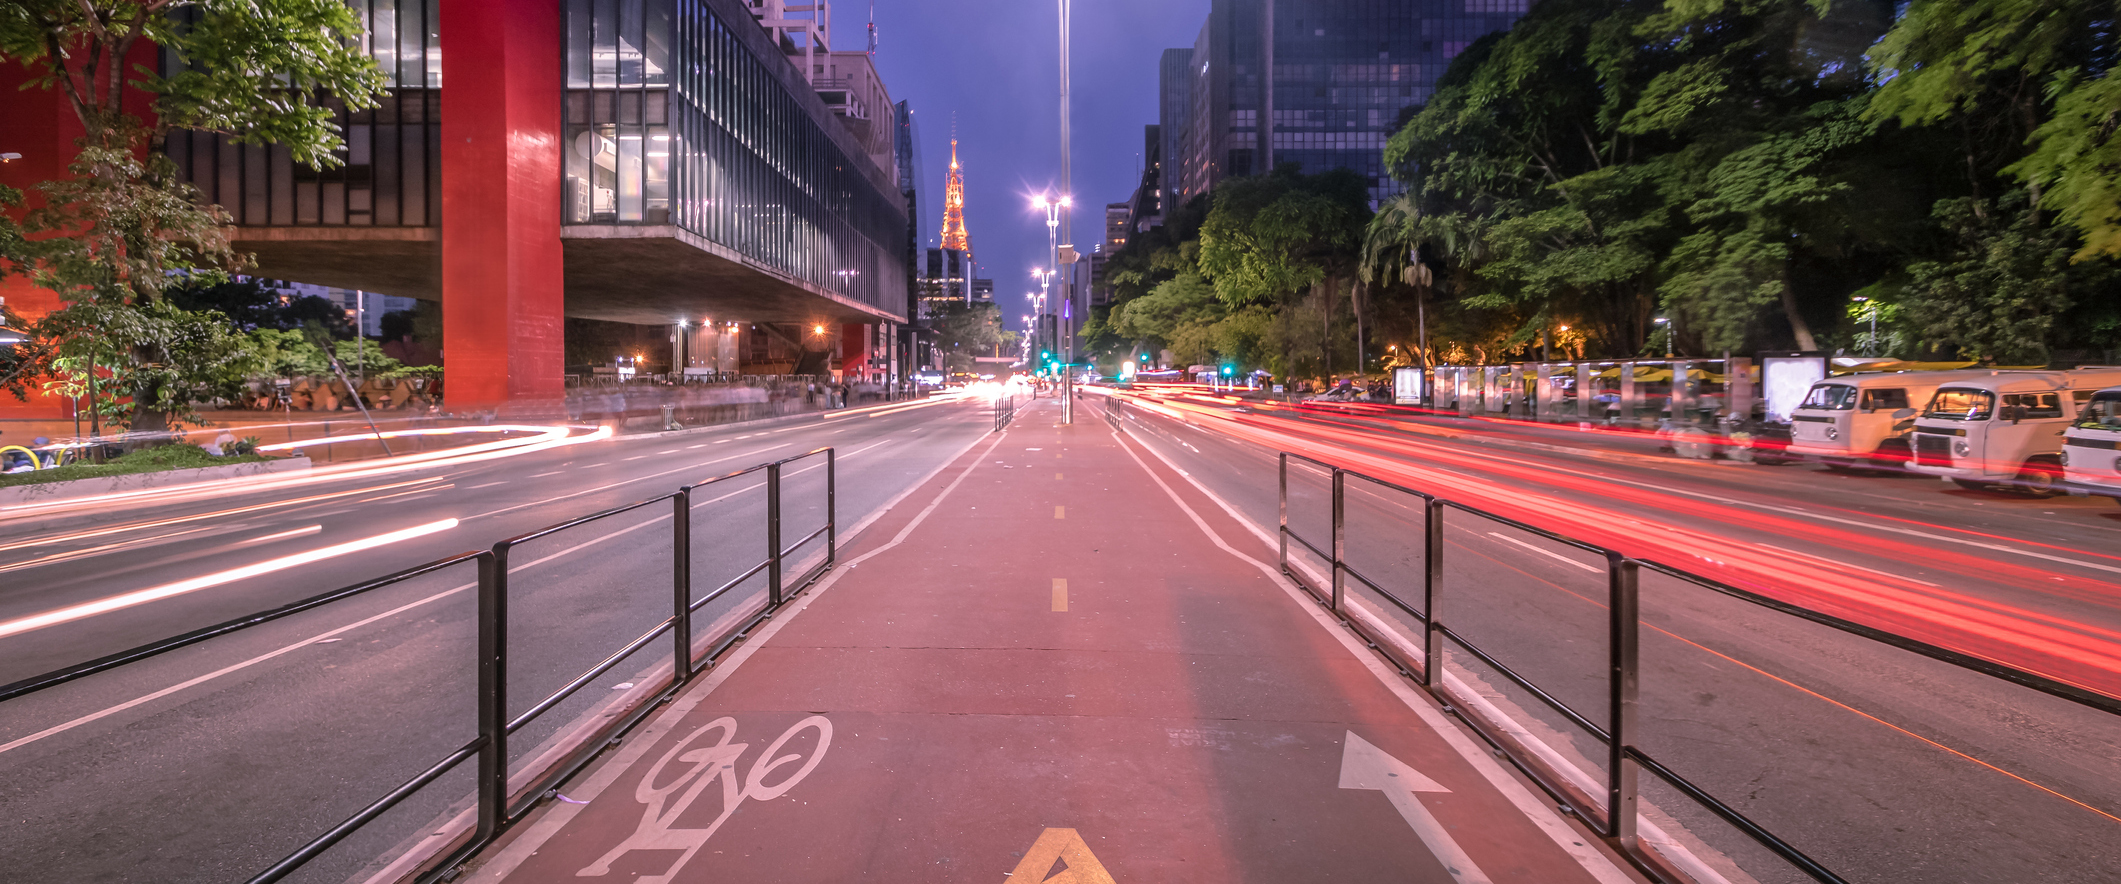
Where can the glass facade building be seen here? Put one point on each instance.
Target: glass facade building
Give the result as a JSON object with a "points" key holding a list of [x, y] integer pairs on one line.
{"points": [[682, 112], [675, 113], [1342, 73], [388, 176]]}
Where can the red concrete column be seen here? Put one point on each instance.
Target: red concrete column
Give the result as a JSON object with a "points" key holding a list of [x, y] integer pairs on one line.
{"points": [[854, 351], [502, 292]]}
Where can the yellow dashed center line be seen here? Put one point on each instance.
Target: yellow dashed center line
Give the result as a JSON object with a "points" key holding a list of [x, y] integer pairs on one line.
{"points": [[1060, 594], [1060, 512]]}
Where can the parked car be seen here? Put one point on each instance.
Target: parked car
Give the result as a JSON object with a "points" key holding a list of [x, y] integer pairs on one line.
{"points": [[2091, 447], [2005, 428], [1857, 420]]}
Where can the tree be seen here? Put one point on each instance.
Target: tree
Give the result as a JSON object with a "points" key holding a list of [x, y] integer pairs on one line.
{"points": [[112, 237], [250, 305], [966, 330], [1280, 237]]}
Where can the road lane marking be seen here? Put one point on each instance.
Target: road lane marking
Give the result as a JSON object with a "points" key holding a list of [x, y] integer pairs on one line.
{"points": [[215, 579], [1533, 808], [1548, 553], [1056, 475], [178, 520], [1064, 846], [656, 832], [491, 484], [637, 457], [668, 451], [1060, 512], [1364, 766], [1836, 563], [1060, 593], [429, 490], [315, 639], [167, 590], [298, 532], [544, 474], [691, 447]]}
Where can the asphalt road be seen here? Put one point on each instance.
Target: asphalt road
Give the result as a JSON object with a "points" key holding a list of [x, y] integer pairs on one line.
{"points": [[210, 762], [1883, 765]]}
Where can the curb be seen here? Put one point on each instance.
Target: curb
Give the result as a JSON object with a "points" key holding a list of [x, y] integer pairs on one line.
{"points": [[50, 492]]}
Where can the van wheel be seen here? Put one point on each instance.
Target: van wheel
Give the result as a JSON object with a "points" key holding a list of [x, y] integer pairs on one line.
{"points": [[2038, 476]]}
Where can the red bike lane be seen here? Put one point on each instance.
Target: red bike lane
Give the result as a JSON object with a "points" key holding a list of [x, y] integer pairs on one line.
{"points": [[1042, 666]]}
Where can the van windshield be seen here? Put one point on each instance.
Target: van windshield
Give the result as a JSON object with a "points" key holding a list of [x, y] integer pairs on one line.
{"points": [[1832, 397], [2103, 412], [1954, 404]]}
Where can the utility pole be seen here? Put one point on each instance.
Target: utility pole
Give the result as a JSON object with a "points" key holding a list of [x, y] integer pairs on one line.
{"points": [[1067, 192]]}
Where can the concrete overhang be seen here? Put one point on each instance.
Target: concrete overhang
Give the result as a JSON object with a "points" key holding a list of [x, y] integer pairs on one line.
{"points": [[404, 261], [654, 275], [650, 275]]}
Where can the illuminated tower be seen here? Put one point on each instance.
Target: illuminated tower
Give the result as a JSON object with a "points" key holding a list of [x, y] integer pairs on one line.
{"points": [[954, 236]]}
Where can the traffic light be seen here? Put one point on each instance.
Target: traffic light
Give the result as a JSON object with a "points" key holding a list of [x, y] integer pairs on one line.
{"points": [[1229, 370]]}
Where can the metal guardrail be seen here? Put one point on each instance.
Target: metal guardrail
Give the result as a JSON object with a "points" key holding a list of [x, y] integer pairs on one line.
{"points": [[1617, 818], [1004, 410], [497, 808]]}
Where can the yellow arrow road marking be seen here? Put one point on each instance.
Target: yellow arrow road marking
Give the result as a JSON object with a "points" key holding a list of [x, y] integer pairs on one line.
{"points": [[1064, 846]]}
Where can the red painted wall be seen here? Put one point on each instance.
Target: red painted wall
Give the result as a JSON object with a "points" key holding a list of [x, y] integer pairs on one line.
{"points": [[502, 291], [40, 125]]}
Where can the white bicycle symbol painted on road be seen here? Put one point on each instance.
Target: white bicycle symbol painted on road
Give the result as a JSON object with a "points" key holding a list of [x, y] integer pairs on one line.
{"points": [[706, 765]]}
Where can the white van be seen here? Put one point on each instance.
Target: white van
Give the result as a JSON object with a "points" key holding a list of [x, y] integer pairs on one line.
{"points": [[2091, 448], [2004, 428], [1864, 419]]}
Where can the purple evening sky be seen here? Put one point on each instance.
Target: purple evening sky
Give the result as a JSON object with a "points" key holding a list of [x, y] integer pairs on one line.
{"points": [[994, 66]]}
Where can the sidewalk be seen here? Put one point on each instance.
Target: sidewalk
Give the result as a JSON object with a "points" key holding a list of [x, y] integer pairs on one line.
{"points": [[1042, 667]]}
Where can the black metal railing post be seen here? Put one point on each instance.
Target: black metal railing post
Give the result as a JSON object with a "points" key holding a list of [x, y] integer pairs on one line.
{"points": [[1431, 582], [1340, 524], [773, 534], [1281, 534], [1624, 626], [832, 507], [493, 692], [681, 585]]}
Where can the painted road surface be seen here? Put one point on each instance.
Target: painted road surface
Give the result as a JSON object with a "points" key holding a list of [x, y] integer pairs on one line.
{"points": [[1043, 666]]}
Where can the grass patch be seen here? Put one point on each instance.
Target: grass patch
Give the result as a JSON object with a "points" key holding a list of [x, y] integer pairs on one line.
{"points": [[147, 460]]}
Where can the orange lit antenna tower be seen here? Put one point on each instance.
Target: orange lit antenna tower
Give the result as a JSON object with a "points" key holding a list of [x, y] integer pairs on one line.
{"points": [[954, 236]]}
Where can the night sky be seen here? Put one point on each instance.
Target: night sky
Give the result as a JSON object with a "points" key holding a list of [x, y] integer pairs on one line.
{"points": [[994, 64]]}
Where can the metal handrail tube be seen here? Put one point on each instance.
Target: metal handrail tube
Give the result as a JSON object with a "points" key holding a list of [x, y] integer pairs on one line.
{"points": [[681, 586], [1307, 544], [58, 677], [1623, 682], [773, 533], [288, 864], [492, 787], [1558, 706], [806, 539], [1392, 485], [732, 584], [1568, 541], [592, 674], [1388, 594], [550, 530], [2057, 689], [1729, 814]]}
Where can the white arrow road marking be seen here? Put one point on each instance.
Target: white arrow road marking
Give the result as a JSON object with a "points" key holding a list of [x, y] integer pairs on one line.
{"points": [[1363, 766]]}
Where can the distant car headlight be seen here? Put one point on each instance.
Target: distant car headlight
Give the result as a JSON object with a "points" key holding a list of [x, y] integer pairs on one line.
{"points": [[1959, 447], [1832, 433]]}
